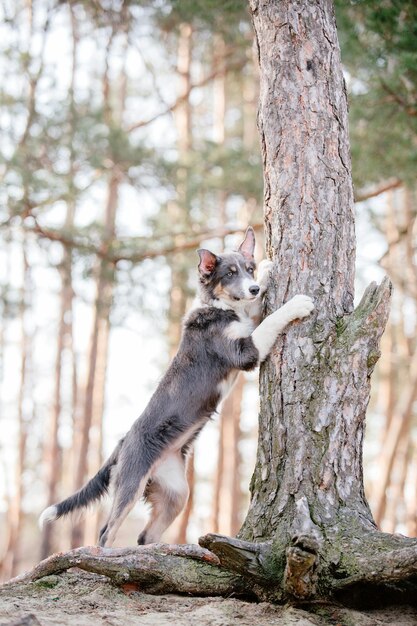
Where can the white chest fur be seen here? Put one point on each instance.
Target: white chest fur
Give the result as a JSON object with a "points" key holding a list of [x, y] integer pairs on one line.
{"points": [[226, 385], [243, 327]]}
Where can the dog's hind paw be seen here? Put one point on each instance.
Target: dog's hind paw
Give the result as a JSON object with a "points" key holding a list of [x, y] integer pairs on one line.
{"points": [[142, 538]]}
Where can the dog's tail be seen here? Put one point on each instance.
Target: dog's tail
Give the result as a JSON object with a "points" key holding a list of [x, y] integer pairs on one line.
{"points": [[95, 489]]}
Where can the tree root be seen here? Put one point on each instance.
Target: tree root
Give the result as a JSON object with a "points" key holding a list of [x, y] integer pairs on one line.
{"points": [[225, 566], [155, 568], [243, 557], [300, 576], [385, 567]]}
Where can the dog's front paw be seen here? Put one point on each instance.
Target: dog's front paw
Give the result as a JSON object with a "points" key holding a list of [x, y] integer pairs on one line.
{"points": [[265, 267], [264, 272], [299, 306]]}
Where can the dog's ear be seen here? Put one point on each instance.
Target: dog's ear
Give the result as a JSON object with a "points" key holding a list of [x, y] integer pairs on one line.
{"points": [[208, 262], [247, 247]]}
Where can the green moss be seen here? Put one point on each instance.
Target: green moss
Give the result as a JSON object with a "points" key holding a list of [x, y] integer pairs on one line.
{"points": [[340, 326], [47, 582], [372, 359], [331, 615]]}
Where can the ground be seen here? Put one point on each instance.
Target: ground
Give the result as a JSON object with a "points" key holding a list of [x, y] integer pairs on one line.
{"points": [[87, 599]]}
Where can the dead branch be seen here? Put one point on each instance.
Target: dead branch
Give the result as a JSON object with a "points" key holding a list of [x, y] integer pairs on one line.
{"points": [[202, 83], [378, 190], [394, 96], [179, 243]]}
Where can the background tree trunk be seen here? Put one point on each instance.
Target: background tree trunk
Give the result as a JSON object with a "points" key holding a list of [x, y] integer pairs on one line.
{"points": [[13, 554], [53, 450], [94, 391]]}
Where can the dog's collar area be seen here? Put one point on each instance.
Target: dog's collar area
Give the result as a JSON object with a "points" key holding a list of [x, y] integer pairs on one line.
{"points": [[212, 302], [219, 304]]}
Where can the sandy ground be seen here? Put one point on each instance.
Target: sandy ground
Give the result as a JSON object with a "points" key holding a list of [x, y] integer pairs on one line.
{"points": [[86, 599]]}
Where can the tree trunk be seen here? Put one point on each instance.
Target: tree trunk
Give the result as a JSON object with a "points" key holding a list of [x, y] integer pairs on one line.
{"points": [[53, 452], [184, 518], [178, 211], [12, 556], [308, 515], [90, 450], [178, 215], [306, 400], [94, 390], [227, 481]]}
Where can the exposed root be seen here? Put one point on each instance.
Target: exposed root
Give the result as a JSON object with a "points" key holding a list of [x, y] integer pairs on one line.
{"points": [[244, 557], [300, 577], [241, 568], [155, 568], [384, 567]]}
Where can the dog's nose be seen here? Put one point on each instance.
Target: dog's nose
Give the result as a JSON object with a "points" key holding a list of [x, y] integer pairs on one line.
{"points": [[254, 290]]}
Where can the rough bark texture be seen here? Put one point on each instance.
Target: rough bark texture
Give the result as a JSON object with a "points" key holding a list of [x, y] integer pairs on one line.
{"points": [[310, 236], [157, 568]]}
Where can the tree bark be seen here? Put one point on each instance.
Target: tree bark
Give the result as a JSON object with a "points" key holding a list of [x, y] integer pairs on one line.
{"points": [[309, 525]]}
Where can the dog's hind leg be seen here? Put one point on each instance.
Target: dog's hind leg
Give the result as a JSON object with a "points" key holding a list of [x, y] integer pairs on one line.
{"points": [[167, 492], [126, 495]]}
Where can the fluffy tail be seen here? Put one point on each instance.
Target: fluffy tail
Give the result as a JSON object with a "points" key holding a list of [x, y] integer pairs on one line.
{"points": [[95, 489]]}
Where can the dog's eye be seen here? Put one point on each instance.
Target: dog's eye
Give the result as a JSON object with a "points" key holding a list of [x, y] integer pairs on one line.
{"points": [[229, 274], [250, 270]]}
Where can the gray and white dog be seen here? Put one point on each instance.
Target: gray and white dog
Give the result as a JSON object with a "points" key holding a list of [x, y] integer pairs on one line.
{"points": [[221, 335]]}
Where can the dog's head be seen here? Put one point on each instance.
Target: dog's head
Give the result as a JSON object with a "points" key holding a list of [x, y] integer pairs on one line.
{"points": [[229, 277]]}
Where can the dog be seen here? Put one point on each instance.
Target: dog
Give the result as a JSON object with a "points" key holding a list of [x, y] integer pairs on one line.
{"points": [[222, 335]]}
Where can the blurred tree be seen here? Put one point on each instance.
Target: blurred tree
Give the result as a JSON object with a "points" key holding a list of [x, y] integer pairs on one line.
{"points": [[379, 51], [65, 341], [13, 552], [77, 145], [393, 486]]}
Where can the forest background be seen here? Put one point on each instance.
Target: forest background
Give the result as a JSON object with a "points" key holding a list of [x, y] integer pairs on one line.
{"points": [[128, 139]]}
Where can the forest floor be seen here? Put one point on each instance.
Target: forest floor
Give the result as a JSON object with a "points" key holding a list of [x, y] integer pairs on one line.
{"points": [[87, 599]]}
